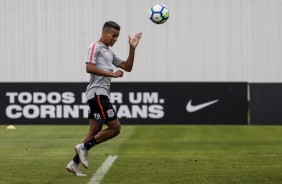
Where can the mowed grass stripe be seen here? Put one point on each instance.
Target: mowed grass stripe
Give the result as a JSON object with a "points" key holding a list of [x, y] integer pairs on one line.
{"points": [[44, 151], [200, 154], [147, 154], [99, 175]]}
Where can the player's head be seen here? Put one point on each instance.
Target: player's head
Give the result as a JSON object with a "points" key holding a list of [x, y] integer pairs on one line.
{"points": [[110, 33], [111, 24]]}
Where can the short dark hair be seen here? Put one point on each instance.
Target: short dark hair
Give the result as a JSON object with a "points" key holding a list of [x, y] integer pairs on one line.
{"points": [[111, 24]]}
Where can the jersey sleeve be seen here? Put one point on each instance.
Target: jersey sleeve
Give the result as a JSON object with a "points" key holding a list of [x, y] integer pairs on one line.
{"points": [[92, 53], [116, 60]]}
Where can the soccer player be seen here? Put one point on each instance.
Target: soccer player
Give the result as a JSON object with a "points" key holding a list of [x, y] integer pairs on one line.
{"points": [[100, 61]]}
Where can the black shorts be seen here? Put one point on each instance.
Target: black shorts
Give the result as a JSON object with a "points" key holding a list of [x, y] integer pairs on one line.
{"points": [[101, 109]]}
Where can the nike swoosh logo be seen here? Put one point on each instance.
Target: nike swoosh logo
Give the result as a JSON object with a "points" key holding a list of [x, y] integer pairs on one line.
{"points": [[194, 108]]}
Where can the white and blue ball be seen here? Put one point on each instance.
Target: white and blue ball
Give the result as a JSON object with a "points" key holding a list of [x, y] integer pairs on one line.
{"points": [[158, 14]]}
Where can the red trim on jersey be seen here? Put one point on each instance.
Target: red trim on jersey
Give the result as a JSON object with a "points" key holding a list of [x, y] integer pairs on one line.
{"points": [[92, 52], [101, 107]]}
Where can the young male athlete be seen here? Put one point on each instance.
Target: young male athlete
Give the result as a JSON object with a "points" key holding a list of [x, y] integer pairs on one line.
{"points": [[100, 61]]}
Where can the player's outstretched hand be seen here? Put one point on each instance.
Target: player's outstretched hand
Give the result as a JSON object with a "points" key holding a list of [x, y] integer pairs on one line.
{"points": [[133, 41]]}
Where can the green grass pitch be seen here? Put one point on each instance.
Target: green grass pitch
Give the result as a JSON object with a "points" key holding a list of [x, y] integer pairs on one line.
{"points": [[156, 154]]}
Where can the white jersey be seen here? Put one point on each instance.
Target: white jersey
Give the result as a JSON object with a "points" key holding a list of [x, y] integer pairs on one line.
{"points": [[104, 58]]}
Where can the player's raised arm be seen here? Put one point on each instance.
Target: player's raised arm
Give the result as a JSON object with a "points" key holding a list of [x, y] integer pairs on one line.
{"points": [[133, 42]]}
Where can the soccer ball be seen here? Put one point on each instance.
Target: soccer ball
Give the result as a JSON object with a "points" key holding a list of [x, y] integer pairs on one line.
{"points": [[158, 14]]}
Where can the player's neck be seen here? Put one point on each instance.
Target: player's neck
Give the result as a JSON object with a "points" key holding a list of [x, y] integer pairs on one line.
{"points": [[103, 41]]}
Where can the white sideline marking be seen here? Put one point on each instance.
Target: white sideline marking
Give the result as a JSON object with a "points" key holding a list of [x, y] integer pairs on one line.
{"points": [[99, 175]]}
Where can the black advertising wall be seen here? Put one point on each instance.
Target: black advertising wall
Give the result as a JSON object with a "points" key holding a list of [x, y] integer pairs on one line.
{"points": [[265, 103], [42, 103], [135, 103], [210, 103]]}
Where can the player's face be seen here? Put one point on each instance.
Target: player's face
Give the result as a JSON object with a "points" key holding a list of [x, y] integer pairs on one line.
{"points": [[110, 36]]}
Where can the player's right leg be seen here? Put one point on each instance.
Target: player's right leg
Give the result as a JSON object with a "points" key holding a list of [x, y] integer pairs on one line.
{"points": [[94, 128], [74, 168], [95, 123], [82, 152], [104, 135]]}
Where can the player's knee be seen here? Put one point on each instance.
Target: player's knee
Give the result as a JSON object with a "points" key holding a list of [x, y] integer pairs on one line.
{"points": [[117, 130]]}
